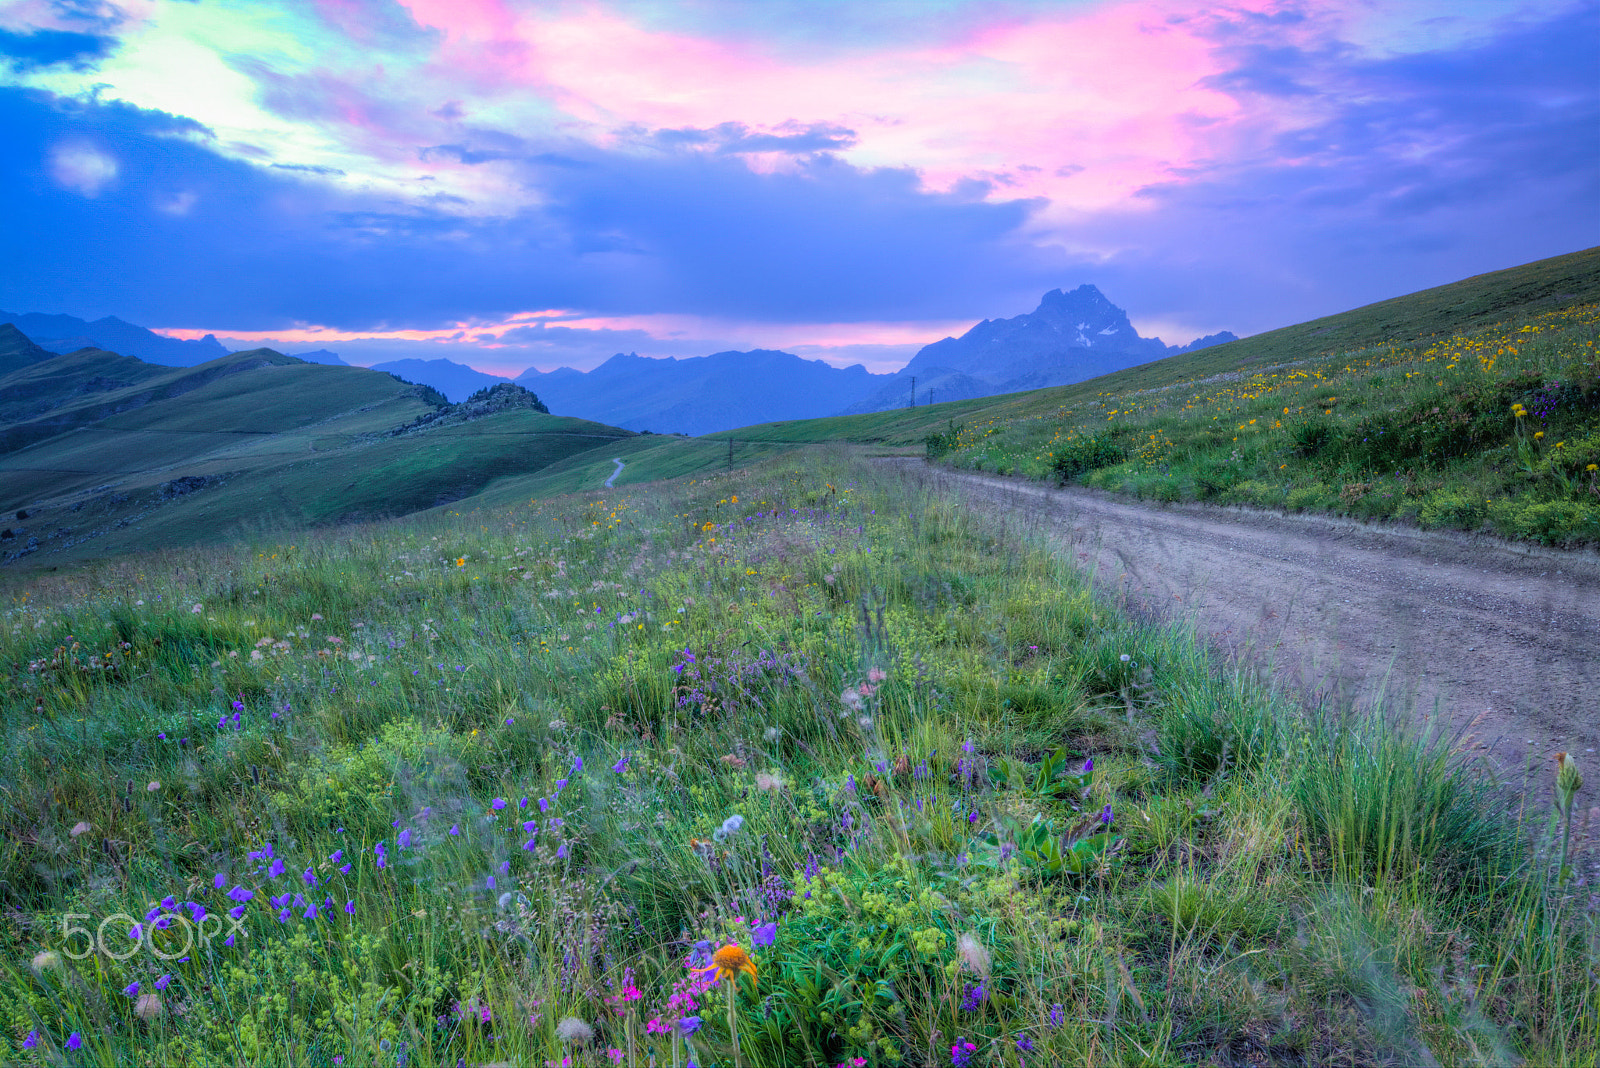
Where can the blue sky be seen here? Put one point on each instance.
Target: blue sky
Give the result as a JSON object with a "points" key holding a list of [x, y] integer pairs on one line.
{"points": [[536, 184]]}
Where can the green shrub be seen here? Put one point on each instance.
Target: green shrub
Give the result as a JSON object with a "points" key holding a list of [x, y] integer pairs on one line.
{"points": [[1550, 522], [1452, 508], [1085, 453], [1315, 496]]}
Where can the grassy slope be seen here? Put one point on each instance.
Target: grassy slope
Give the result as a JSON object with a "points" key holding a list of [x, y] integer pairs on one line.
{"points": [[283, 443], [871, 680], [1470, 304]]}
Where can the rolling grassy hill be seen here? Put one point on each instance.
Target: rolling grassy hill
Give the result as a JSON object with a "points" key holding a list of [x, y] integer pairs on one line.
{"points": [[109, 454]]}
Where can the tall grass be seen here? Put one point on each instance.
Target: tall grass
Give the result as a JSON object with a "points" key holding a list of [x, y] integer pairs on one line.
{"points": [[521, 769]]}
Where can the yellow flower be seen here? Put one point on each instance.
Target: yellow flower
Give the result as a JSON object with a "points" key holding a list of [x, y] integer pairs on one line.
{"points": [[1537, 434], [461, 561], [1593, 467], [729, 961]]}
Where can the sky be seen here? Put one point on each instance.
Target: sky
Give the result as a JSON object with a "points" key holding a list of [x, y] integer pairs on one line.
{"points": [[538, 183]]}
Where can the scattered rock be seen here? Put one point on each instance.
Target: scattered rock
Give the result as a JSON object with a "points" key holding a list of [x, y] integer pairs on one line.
{"points": [[178, 487], [503, 397]]}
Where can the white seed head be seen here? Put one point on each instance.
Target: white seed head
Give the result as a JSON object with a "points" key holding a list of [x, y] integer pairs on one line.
{"points": [[573, 1031], [973, 954]]}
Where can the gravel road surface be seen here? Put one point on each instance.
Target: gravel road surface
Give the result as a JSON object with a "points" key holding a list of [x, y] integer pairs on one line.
{"points": [[1504, 637]]}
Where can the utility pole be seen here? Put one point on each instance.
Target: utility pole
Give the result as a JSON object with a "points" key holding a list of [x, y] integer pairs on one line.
{"points": [[913, 391], [930, 398]]}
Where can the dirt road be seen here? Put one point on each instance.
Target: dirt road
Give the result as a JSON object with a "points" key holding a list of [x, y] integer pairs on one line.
{"points": [[1505, 637]]}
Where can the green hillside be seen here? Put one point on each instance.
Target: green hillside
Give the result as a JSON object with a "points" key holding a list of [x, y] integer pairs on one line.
{"points": [[109, 454], [1402, 409]]}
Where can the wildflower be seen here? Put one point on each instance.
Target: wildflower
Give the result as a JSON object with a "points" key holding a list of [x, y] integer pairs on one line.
{"points": [[544, 804], [561, 851], [163, 982], [237, 912], [961, 1052], [765, 935], [498, 803], [729, 961], [219, 882], [1024, 1044], [1088, 766], [135, 932], [405, 839], [350, 908], [730, 827], [616, 1055], [228, 941], [1106, 815], [153, 787], [621, 765], [74, 1041], [689, 1024], [132, 989], [276, 869], [32, 1041], [455, 830], [169, 902], [335, 857]]}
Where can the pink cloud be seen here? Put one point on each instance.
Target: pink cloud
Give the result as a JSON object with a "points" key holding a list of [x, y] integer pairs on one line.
{"points": [[816, 338], [1085, 107]]}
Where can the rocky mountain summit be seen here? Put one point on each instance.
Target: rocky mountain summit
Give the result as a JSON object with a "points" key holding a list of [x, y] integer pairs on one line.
{"points": [[504, 397], [1069, 337]]}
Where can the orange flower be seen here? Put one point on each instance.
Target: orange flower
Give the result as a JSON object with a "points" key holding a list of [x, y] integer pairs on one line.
{"points": [[729, 961]]}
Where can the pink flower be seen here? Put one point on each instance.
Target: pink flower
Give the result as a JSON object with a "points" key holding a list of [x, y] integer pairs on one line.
{"points": [[616, 1055]]}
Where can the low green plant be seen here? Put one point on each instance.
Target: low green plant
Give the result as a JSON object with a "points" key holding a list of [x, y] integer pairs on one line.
{"points": [[1085, 453]]}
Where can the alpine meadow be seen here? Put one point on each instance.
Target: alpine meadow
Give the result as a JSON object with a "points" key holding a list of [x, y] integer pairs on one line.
{"points": [[832, 534]]}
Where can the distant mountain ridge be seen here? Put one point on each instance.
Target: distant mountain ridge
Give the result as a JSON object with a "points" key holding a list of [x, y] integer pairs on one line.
{"points": [[456, 381], [1069, 337], [68, 333], [702, 394]]}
